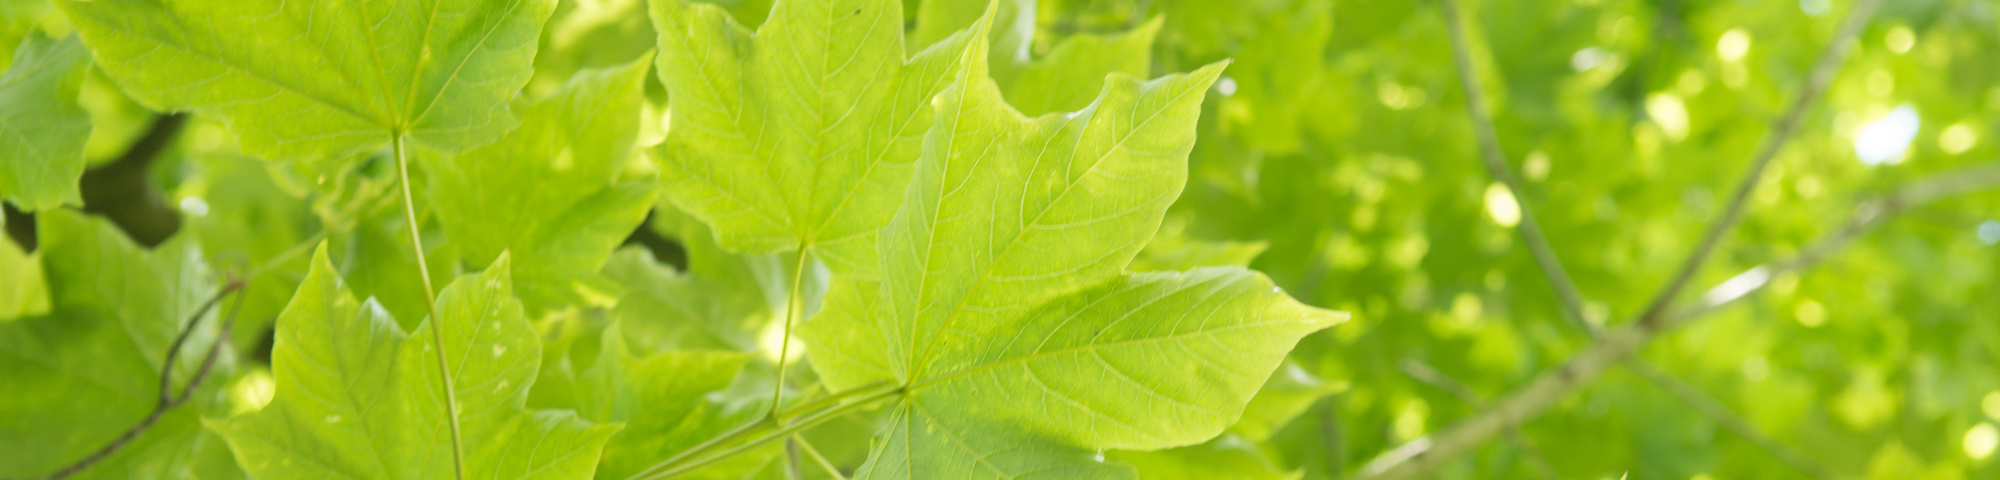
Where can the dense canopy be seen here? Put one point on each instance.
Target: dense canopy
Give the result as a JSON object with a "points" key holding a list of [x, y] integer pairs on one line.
{"points": [[923, 239]]}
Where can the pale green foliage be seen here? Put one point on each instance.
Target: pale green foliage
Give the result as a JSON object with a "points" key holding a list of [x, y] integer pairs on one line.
{"points": [[1067, 78], [300, 79], [676, 413], [554, 192], [42, 130], [1289, 392], [802, 134], [1227, 457], [1004, 307], [81, 375], [358, 398], [23, 290], [722, 301]]}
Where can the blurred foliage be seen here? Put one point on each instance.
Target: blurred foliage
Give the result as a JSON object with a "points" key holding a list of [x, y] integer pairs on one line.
{"points": [[1337, 156]]}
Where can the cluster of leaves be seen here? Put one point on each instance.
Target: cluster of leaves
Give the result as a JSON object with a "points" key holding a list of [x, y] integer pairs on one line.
{"points": [[951, 232], [947, 239]]}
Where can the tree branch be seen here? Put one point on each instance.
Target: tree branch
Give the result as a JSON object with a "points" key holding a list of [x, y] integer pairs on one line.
{"points": [[1421, 456], [168, 400], [1829, 62], [1496, 166], [817, 458], [1433, 377], [1721, 414], [1565, 287]]}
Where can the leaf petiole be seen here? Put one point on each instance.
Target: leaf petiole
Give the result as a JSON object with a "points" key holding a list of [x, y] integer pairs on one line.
{"points": [[678, 464], [430, 302], [785, 341]]}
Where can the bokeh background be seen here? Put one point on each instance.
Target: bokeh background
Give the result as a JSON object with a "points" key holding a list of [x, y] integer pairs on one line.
{"points": [[1339, 157]]}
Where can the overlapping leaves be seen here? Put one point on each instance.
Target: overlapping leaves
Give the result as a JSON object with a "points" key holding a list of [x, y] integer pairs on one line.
{"points": [[357, 397], [1004, 310]]}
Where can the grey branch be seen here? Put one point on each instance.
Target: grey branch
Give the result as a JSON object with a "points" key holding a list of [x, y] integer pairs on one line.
{"points": [[168, 400], [1829, 62], [1721, 414], [1496, 166], [1433, 377], [1421, 456], [1565, 287]]}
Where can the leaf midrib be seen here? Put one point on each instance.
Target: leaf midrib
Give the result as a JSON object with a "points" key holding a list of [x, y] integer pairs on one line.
{"points": [[987, 270]]}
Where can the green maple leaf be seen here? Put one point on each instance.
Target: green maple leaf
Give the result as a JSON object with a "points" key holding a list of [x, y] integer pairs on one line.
{"points": [[42, 130], [800, 136], [1004, 309], [554, 192], [357, 397], [319, 78], [80, 376]]}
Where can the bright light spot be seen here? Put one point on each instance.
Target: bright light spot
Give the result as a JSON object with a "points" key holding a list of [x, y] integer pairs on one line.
{"points": [[1881, 83], [1409, 422], [1466, 307], [1737, 286], [1500, 206], [565, 160], [1991, 405], [1099, 457], [1900, 39], [772, 341], [1536, 167], [1885, 140], [1958, 138], [1226, 85], [1756, 369], [1808, 186], [194, 206], [1733, 45], [1587, 58], [252, 392], [1691, 82], [1701, 476], [1669, 113], [1989, 233], [1981, 440], [1815, 7], [1810, 313], [1398, 97]]}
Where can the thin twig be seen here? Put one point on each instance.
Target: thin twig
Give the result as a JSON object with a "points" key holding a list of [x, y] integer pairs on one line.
{"points": [[1721, 414], [1433, 377], [818, 458], [793, 468], [1496, 166], [1866, 218], [1332, 433], [1567, 293], [1421, 456], [1822, 73], [288, 255], [168, 400]]}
